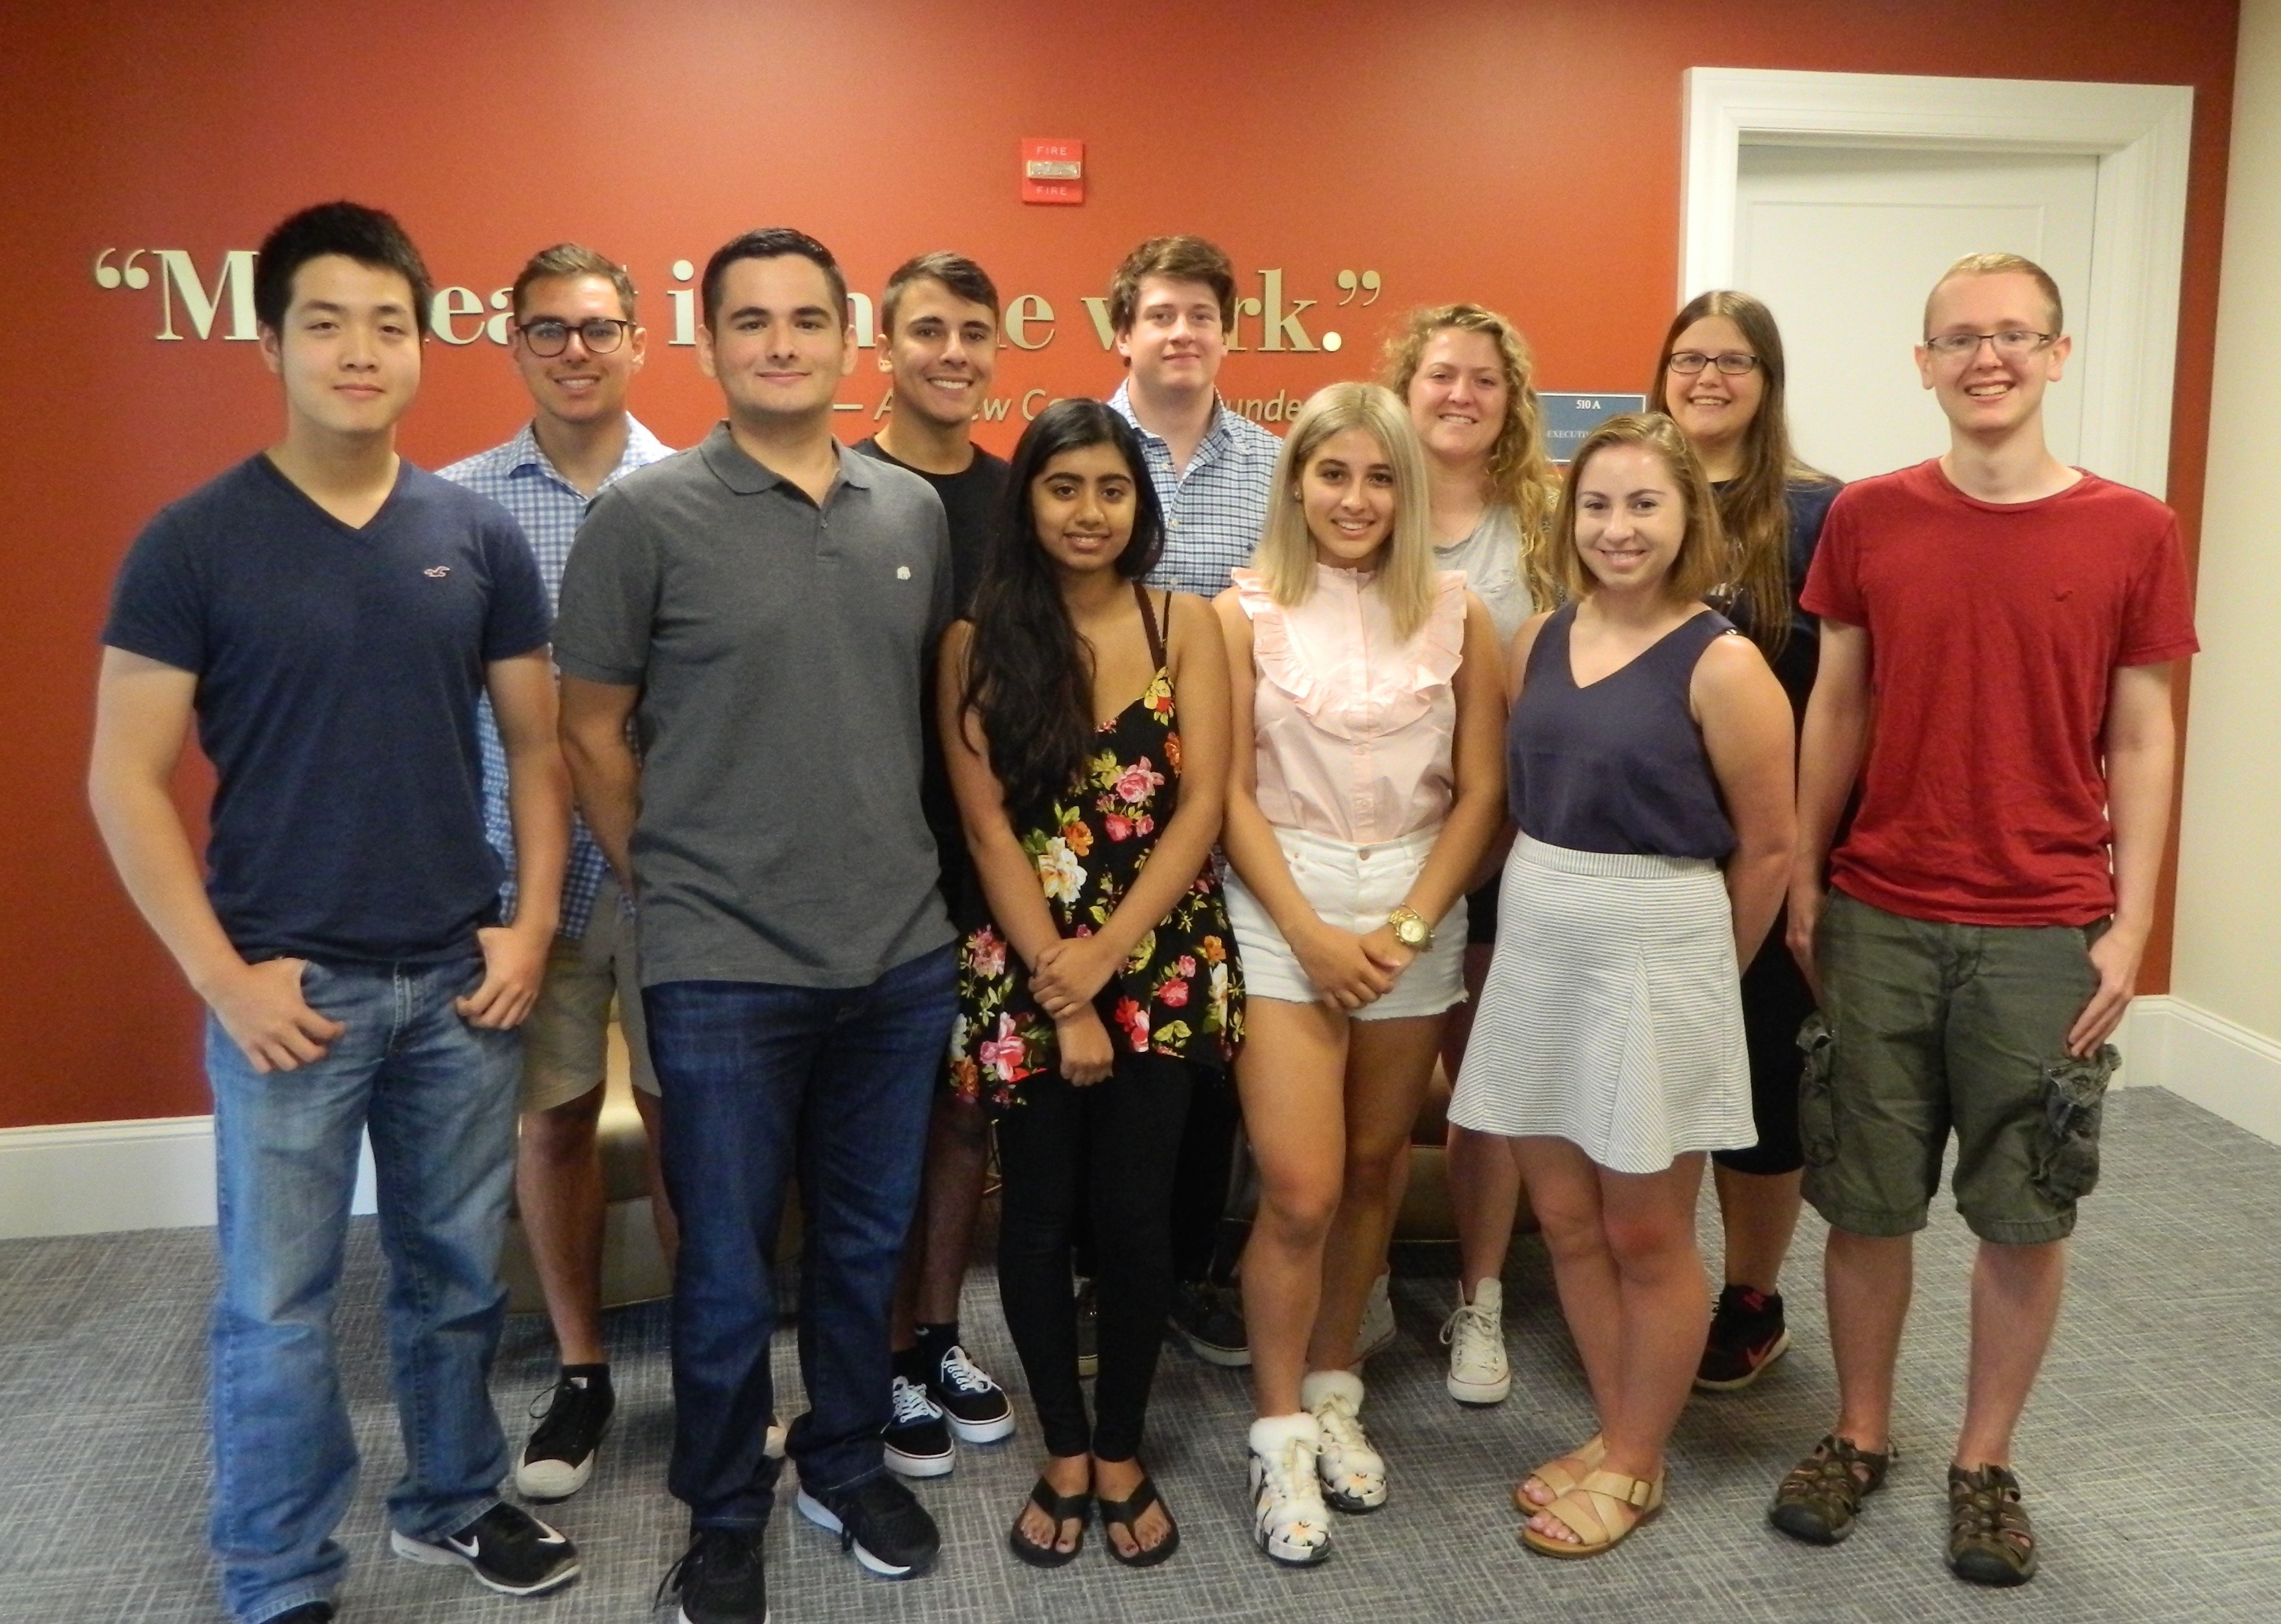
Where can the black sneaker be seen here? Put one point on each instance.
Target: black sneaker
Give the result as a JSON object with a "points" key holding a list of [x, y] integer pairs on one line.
{"points": [[916, 1439], [881, 1522], [307, 1612], [975, 1406], [1210, 1318], [1747, 1334], [560, 1456], [1089, 1331], [506, 1549], [718, 1579]]}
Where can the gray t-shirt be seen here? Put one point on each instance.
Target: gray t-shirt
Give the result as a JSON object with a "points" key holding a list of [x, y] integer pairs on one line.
{"points": [[1490, 558], [785, 654]]}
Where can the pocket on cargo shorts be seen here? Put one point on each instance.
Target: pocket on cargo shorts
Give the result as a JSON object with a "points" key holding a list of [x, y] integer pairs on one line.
{"points": [[2067, 1140], [1817, 1110]]}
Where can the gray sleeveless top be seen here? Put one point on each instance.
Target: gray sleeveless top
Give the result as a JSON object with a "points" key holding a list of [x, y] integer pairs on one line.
{"points": [[1618, 766]]}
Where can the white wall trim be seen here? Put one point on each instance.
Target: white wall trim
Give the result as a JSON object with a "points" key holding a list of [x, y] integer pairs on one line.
{"points": [[2222, 1067], [2139, 133], [90, 1178]]}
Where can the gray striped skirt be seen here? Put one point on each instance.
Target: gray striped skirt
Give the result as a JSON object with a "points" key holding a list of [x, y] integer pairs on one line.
{"points": [[1612, 1017]]}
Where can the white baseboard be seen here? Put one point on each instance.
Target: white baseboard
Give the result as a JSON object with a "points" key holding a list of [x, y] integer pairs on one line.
{"points": [[90, 1178], [2222, 1067]]}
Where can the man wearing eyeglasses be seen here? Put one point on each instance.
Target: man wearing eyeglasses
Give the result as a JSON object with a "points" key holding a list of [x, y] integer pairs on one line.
{"points": [[577, 347], [1979, 934]]}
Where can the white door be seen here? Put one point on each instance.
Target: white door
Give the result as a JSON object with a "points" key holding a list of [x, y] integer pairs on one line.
{"points": [[1843, 243]]}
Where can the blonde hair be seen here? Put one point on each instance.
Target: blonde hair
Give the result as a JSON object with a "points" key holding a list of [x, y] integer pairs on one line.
{"points": [[1703, 556], [1520, 474], [1999, 264], [1286, 558]]}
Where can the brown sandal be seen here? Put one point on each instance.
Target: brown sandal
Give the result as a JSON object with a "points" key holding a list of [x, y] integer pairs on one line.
{"points": [[1580, 1511], [1988, 1539], [1556, 1476], [1818, 1500]]}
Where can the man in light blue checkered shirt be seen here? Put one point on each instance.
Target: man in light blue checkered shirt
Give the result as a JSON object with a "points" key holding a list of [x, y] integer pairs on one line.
{"points": [[1171, 306], [575, 343]]}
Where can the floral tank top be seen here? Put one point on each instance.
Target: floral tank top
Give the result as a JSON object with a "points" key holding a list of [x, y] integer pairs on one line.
{"points": [[1180, 994]]}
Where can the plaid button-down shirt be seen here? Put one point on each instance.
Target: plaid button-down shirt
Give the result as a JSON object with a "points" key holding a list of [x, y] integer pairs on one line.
{"points": [[1214, 511], [518, 476]]}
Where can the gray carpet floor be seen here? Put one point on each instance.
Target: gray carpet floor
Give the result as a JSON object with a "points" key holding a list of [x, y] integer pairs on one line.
{"points": [[2146, 1455]]}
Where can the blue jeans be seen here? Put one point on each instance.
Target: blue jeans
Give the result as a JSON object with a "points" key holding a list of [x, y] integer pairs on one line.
{"points": [[759, 1082], [439, 1097]]}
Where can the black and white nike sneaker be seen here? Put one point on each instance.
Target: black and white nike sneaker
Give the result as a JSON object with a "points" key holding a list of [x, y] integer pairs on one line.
{"points": [[506, 1549]]}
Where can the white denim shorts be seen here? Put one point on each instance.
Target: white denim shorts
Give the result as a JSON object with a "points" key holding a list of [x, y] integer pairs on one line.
{"points": [[1353, 887]]}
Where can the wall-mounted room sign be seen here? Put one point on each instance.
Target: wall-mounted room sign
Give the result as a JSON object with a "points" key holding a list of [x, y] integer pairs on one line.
{"points": [[1569, 418]]}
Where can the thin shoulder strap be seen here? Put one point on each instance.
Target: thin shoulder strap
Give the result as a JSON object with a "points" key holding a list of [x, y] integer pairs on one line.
{"points": [[1148, 619]]}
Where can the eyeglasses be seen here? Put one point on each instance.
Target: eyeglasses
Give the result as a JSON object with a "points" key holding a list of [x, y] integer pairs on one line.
{"points": [[1734, 363], [548, 338], [2013, 341]]}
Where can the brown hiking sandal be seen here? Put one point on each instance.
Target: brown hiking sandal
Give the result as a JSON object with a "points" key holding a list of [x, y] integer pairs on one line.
{"points": [[1988, 1539], [1818, 1500]]}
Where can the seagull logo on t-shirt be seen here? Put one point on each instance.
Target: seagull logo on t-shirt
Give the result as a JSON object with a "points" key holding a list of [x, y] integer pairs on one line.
{"points": [[438, 572]]}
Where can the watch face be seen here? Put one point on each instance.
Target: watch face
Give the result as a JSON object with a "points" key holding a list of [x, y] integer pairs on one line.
{"points": [[1410, 932]]}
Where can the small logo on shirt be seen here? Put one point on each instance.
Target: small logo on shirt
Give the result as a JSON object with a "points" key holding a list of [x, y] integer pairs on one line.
{"points": [[902, 572], [437, 573]]}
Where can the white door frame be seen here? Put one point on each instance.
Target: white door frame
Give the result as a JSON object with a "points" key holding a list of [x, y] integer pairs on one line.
{"points": [[2139, 133]]}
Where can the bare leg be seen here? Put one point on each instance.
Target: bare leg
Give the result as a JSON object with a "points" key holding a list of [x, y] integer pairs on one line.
{"points": [[2015, 1306], [1758, 1212], [558, 1188], [660, 1209], [1485, 1195], [1290, 1075], [1867, 1279], [1388, 1064], [942, 1231]]}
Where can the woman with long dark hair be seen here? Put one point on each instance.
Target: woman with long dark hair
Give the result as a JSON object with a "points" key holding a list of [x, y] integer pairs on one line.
{"points": [[1720, 378], [1086, 720]]}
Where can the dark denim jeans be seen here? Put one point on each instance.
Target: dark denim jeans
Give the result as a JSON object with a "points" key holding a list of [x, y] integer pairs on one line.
{"points": [[760, 1082], [438, 1096]]}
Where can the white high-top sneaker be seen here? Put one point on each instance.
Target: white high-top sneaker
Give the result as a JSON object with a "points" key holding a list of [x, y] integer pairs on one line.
{"points": [[1289, 1521], [1476, 1334], [1377, 1328], [1353, 1473]]}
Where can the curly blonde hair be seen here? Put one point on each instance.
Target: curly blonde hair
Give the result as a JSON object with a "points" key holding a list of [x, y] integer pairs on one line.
{"points": [[1520, 475]]}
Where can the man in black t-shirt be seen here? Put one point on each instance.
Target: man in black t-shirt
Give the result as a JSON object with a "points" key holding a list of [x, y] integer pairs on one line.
{"points": [[939, 341], [328, 615]]}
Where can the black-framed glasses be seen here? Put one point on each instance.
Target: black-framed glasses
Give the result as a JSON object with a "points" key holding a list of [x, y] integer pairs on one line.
{"points": [[1734, 363], [2013, 341], [548, 338]]}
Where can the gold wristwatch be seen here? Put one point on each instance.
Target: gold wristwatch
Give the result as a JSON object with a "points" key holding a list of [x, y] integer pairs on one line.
{"points": [[1409, 928]]}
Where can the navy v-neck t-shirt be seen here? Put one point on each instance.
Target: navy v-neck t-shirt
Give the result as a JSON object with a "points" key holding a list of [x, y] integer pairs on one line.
{"points": [[338, 670]]}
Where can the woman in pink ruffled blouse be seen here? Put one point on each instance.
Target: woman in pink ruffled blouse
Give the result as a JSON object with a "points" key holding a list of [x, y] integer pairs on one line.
{"points": [[1370, 689]]}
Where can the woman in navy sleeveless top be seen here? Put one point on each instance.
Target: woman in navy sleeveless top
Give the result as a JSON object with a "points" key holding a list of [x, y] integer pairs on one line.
{"points": [[1649, 761]]}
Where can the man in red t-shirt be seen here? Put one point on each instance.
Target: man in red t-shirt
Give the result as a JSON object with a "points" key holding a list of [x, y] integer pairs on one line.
{"points": [[1980, 934]]}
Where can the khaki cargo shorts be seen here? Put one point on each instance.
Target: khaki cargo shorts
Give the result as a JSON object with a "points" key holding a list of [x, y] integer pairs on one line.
{"points": [[565, 1038], [1927, 1029]]}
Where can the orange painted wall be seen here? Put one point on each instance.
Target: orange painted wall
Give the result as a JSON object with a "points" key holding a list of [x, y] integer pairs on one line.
{"points": [[1524, 153]]}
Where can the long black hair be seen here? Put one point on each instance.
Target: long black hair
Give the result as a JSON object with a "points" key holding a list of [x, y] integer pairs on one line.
{"points": [[1029, 675]]}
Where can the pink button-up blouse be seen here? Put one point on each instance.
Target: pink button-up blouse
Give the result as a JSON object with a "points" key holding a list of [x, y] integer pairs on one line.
{"points": [[1354, 726]]}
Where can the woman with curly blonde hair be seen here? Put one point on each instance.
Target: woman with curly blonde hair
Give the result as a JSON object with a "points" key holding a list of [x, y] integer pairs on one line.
{"points": [[1467, 376]]}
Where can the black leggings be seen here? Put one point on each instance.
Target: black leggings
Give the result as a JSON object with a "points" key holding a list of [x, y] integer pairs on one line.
{"points": [[1114, 1143]]}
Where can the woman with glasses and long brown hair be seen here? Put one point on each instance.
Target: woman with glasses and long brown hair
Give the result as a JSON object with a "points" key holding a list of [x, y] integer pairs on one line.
{"points": [[1720, 378], [1467, 376]]}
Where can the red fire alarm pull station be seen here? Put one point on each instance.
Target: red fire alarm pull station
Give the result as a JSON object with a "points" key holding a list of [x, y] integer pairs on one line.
{"points": [[1052, 171]]}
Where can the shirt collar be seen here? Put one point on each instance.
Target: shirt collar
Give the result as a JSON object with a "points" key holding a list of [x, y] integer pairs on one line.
{"points": [[735, 467], [1215, 433], [642, 449]]}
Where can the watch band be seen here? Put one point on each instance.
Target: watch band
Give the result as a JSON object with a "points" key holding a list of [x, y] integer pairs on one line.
{"points": [[1404, 914]]}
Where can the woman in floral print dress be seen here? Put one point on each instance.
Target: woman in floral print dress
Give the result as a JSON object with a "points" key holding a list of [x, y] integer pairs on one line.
{"points": [[1086, 722]]}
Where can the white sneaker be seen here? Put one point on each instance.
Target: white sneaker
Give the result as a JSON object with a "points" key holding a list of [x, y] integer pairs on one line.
{"points": [[1353, 1473], [1289, 1523], [1377, 1332], [1474, 1334], [773, 1445]]}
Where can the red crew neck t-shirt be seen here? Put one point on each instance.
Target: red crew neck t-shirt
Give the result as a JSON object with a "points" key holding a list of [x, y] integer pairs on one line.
{"points": [[1995, 630]]}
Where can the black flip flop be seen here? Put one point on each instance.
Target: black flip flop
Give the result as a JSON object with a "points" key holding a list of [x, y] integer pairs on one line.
{"points": [[1061, 1508], [1128, 1511]]}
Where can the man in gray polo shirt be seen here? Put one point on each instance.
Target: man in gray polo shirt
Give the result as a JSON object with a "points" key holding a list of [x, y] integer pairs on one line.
{"points": [[766, 607]]}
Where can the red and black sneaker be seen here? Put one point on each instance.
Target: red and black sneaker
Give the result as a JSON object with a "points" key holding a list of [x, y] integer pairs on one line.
{"points": [[1747, 1334]]}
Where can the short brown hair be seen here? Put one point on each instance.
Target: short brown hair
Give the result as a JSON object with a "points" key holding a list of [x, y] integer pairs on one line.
{"points": [[954, 272], [1998, 265], [1702, 561], [573, 259], [1176, 258]]}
